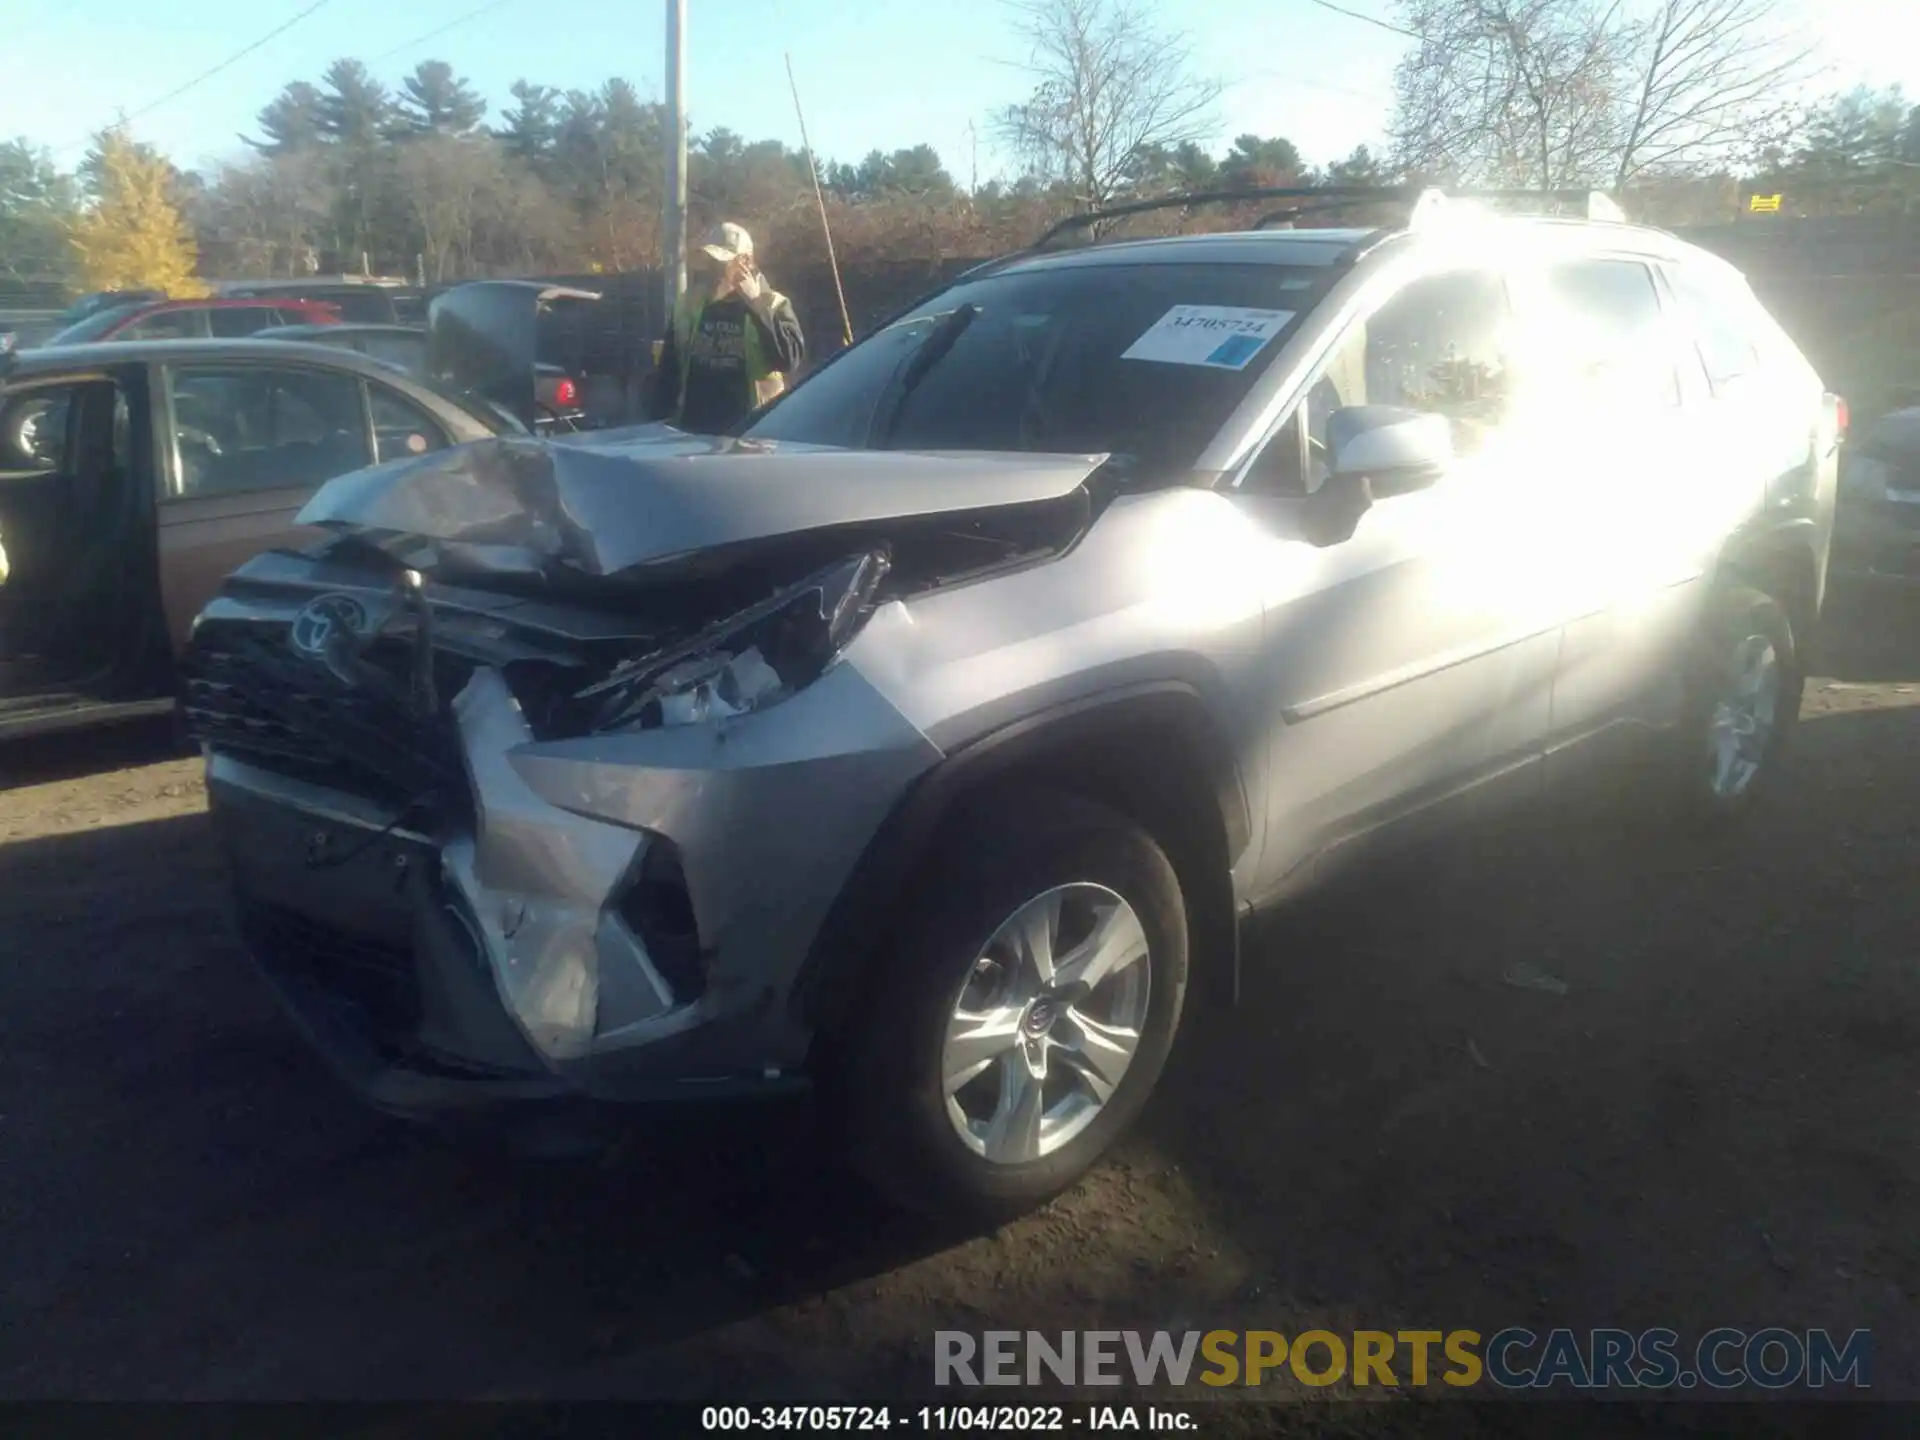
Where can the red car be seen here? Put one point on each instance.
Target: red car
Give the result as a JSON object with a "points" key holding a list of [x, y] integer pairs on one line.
{"points": [[193, 320]]}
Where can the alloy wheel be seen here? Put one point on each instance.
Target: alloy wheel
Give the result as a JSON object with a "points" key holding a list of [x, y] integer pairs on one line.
{"points": [[1743, 720], [1046, 1023]]}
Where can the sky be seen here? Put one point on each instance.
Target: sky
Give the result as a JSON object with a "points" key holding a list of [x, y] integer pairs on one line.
{"points": [[873, 74]]}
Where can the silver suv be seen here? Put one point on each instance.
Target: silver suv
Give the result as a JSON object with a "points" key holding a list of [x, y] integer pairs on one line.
{"points": [[930, 740]]}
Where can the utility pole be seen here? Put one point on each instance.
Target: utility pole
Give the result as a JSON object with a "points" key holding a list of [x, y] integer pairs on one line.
{"points": [[673, 243]]}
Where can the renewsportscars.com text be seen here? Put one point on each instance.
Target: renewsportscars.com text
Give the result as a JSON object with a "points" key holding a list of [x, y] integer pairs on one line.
{"points": [[1511, 1359]]}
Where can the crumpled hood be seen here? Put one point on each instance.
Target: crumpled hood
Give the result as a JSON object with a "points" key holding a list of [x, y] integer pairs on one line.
{"points": [[600, 504]]}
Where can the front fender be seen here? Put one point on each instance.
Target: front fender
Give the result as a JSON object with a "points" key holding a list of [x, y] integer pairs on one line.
{"points": [[845, 945]]}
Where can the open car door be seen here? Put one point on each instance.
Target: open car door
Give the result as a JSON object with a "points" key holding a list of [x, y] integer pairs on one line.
{"points": [[79, 614]]}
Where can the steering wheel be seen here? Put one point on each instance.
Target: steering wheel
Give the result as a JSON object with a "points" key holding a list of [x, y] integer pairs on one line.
{"points": [[200, 439], [24, 438]]}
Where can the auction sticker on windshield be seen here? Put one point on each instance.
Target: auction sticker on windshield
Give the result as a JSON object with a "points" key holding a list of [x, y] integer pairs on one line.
{"points": [[1223, 336]]}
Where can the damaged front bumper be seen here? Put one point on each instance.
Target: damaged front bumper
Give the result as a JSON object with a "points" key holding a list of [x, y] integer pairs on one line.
{"points": [[617, 918], [543, 780]]}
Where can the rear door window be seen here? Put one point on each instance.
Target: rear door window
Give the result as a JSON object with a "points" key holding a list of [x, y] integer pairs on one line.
{"points": [[233, 322], [1722, 328], [264, 427], [190, 324]]}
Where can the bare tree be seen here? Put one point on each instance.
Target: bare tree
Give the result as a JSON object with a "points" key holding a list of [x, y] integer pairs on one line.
{"points": [[1510, 92], [453, 185], [271, 212], [1706, 80], [1109, 84], [1567, 93]]}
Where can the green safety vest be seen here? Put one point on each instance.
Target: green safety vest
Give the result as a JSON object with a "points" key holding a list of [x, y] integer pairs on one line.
{"points": [[763, 381]]}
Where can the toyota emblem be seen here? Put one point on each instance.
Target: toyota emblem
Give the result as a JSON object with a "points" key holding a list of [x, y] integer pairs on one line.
{"points": [[320, 620]]}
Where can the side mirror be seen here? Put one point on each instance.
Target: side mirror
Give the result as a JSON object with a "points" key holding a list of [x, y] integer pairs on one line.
{"points": [[1394, 449], [1375, 451]]}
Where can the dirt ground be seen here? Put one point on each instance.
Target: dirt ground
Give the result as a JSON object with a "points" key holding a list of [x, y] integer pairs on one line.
{"points": [[1714, 1124]]}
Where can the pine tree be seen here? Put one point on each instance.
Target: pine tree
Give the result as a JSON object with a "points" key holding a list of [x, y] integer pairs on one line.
{"points": [[291, 121], [529, 132], [435, 101], [133, 236]]}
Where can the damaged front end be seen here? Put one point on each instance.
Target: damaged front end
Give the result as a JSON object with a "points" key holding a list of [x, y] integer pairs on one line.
{"points": [[539, 778]]}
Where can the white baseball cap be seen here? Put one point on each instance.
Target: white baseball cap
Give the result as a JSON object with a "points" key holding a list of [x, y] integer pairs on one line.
{"points": [[727, 240]]}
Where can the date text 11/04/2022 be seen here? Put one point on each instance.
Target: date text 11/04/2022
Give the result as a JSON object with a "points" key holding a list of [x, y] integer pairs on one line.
{"points": [[941, 1419]]}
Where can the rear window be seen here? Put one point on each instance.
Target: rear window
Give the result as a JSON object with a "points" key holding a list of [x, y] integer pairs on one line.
{"points": [[409, 352], [367, 306], [1145, 361]]}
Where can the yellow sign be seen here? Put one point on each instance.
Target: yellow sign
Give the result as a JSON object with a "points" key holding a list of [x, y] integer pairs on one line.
{"points": [[1763, 204]]}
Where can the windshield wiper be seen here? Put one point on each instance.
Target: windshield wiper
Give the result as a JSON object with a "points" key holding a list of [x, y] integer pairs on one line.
{"points": [[932, 351]]}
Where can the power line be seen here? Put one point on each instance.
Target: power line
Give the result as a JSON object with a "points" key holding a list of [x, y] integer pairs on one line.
{"points": [[1368, 19], [206, 75], [453, 24]]}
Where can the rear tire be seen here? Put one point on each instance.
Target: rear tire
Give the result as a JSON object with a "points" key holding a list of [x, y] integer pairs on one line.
{"points": [[962, 995], [1741, 703]]}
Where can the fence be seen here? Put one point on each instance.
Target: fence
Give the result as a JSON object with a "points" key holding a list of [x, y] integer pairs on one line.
{"points": [[1817, 247]]}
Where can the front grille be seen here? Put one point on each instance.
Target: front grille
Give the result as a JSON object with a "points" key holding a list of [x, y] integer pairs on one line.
{"points": [[248, 693], [375, 979]]}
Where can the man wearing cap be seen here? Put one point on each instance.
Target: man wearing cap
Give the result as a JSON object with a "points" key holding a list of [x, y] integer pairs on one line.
{"points": [[733, 341]]}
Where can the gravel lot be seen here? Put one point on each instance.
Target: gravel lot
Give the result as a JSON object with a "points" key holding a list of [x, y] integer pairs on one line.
{"points": [[1715, 1124]]}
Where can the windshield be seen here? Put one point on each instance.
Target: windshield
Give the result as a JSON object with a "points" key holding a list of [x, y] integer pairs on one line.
{"points": [[94, 326], [1143, 360]]}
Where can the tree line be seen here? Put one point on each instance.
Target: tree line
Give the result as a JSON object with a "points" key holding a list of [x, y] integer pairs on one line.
{"points": [[1683, 106]]}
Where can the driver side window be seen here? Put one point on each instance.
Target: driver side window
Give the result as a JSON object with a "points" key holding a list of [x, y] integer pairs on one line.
{"points": [[261, 427], [1442, 344]]}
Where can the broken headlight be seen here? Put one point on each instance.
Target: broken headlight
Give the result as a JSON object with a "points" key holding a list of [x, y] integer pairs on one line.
{"points": [[746, 662]]}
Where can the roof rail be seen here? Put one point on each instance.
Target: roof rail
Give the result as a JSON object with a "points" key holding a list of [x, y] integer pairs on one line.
{"points": [[1325, 197], [1591, 204], [1424, 203]]}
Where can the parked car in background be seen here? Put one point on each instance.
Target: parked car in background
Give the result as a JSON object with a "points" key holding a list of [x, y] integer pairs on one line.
{"points": [[100, 300], [403, 346], [219, 319], [361, 301], [1877, 531], [557, 395], [135, 475], [930, 739]]}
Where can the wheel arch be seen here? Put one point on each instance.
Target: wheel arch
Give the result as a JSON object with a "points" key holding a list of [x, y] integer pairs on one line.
{"points": [[1782, 561], [1152, 751]]}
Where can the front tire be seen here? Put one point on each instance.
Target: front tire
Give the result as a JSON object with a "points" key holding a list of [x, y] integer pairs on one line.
{"points": [[1024, 1017]]}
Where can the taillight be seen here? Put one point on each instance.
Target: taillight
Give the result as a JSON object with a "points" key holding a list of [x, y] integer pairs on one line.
{"points": [[1841, 416], [565, 393]]}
